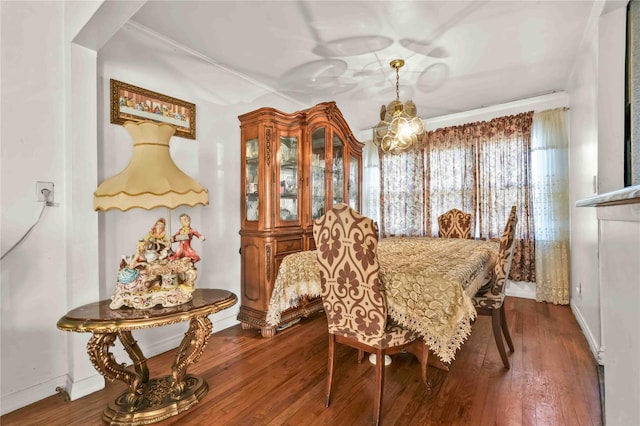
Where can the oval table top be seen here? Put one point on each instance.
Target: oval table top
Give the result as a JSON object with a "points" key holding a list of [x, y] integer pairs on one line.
{"points": [[99, 317]]}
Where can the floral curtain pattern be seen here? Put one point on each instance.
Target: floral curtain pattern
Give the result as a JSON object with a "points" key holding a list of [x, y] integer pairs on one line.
{"points": [[451, 176], [550, 188], [402, 194], [481, 168], [504, 175]]}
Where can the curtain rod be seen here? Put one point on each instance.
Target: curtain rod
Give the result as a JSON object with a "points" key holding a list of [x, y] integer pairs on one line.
{"points": [[551, 109]]}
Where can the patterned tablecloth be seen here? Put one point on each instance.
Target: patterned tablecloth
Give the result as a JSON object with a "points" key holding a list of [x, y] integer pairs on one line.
{"points": [[429, 283]]}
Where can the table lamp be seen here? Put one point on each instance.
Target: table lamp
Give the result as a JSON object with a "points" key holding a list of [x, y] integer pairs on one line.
{"points": [[154, 274]]}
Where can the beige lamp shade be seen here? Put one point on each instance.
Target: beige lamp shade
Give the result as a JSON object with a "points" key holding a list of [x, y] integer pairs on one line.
{"points": [[151, 179]]}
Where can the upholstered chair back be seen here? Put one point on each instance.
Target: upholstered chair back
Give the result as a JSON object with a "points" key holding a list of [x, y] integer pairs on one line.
{"points": [[454, 224], [495, 293], [505, 254], [490, 298], [352, 296]]}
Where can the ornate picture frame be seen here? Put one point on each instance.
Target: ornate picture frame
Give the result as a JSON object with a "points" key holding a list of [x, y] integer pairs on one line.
{"points": [[132, 103]]}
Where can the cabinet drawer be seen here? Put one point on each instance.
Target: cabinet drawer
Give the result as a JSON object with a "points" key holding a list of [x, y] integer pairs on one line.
{"points": [[285, 246]]}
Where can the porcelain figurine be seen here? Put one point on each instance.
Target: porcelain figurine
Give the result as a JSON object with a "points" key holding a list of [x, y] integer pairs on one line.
{"points": [[154, 275], [183, 237], [155, 245]]}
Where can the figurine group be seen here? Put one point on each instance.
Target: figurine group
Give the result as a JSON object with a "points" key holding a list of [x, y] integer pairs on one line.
{"points": [[156, 274]]}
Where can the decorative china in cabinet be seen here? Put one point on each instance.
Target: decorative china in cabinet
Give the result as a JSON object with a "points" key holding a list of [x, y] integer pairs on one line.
{"points": [[295, 167]]}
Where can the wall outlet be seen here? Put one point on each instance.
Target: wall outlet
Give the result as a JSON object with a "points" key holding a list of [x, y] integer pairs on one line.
{"points": [[40, 186]]}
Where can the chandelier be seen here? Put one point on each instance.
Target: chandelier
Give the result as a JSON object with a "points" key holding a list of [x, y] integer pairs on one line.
{"points": [[399, 127]]}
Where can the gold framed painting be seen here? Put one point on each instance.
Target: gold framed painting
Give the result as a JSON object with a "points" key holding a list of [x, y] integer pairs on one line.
{"points": [[132, 103]]}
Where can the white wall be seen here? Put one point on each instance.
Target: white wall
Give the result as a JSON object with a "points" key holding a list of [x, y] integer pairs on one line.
{"points": [[35, 275], [605, 241], [596, 155], [583, 160]]}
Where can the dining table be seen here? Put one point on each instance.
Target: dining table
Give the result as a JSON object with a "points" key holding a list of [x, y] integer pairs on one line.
{"points": [[428, 283]]}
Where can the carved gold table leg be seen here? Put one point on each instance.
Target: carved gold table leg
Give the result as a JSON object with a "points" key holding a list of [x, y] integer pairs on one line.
{"points": [[190, 349], [139, 361], [151, 400], [104, 361]]}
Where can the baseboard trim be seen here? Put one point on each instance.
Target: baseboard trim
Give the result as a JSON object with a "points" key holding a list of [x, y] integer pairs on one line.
{"points": [[24, 397], [521, 289], [597, 350], [79, 388]]}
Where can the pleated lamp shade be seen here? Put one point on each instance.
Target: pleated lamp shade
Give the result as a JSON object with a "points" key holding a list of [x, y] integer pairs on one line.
{"points": [[151, 179]]}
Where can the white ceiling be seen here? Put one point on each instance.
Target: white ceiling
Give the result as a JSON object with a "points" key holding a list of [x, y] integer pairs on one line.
{"points": [[460, 55]]}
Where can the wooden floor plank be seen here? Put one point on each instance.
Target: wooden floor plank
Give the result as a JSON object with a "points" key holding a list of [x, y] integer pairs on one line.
{"points": [[281, 381]]}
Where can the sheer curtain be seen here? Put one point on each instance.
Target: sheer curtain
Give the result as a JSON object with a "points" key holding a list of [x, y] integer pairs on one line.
{"points": [[550, 164], [402, 194], [450, 178]]}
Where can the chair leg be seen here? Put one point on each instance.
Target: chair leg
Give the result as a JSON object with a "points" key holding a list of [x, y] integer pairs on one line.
{"points": [[424, 361], [505, 328], [497, 335], [377, 402], [332, 347], [360, 355]]}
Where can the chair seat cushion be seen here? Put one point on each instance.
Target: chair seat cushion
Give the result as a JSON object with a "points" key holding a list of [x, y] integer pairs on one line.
{"points": [[396, 335], [488, 301]]}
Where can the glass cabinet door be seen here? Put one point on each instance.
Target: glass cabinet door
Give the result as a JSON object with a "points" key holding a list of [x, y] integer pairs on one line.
{"points": [[288, 178], [251, 179], [318, 169], [338, 170], [354, 189]]}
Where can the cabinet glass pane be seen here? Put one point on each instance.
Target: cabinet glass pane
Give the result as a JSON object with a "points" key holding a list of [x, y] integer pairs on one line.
{"points": [[338, 170], [318, 168], [354, 166], [288, 178], [251, 179]]}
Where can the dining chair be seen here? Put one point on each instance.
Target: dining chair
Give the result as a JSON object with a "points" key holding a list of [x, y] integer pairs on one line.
{"points": [[490, 298], [353, 297], [454, 224]]}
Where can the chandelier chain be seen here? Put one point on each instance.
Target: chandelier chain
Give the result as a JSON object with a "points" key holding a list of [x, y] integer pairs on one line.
{"points": [[397, 85]]}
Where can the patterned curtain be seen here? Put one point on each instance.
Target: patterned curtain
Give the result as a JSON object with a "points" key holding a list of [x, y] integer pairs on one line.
{"points": [[402, 194], [550, 163], [450, 179], [504, 175], [481, 168]]}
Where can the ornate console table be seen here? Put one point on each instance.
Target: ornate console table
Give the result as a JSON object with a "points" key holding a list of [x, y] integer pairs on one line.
{"points": [[148, 400]]}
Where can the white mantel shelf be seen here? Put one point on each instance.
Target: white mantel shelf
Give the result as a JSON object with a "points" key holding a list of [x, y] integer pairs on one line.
{"points": [[628, 195]]}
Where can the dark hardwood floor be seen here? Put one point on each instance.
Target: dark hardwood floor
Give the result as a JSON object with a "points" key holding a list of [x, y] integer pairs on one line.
{"points": [[553, 380]]}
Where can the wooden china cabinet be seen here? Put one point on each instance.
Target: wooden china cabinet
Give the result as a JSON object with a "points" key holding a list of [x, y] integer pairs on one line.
{"points": [[295, 167]]}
